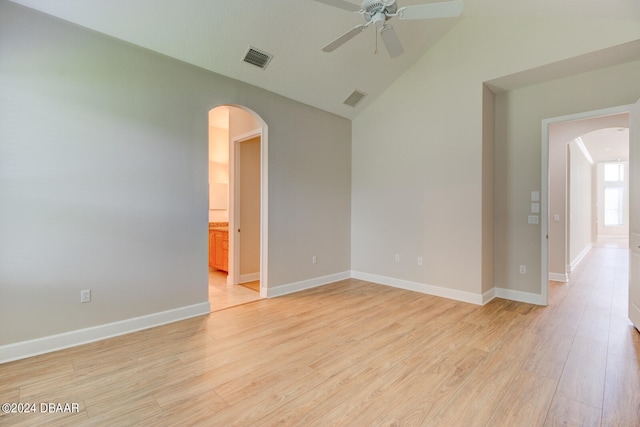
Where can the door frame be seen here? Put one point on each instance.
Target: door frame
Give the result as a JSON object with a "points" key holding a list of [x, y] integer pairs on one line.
{"points": [[234, 259], [634, 206], [544, 190], [234, 205]]}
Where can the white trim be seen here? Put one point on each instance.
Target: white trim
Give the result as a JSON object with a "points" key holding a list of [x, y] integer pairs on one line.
{"points": [[251, 277], [613, 236], [634, 315], [488, 296], [559, 277], [634, 262], [463, 296], [526, 297], [580, 257], [24, 349], [438, 291], [304, 284], [264, 209], [544, 215], [584, 150]]}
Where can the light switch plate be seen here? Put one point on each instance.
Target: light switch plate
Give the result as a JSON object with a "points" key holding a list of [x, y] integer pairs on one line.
{"points": [[535, 196]]}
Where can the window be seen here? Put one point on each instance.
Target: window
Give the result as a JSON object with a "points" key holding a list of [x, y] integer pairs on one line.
{"points": [[613, 194], [614, 172], [613, 204]]}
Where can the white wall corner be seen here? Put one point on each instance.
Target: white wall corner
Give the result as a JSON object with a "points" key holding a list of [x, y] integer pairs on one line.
{"points": [[559, 277], [520, 296], [423, 288], [249, 277], [306, 284], [488, 296], [24, 349], [580, 257]]}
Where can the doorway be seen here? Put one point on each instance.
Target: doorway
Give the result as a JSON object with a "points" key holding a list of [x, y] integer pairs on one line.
{"points": [[569, 215], [246, 210], [237, 205]]}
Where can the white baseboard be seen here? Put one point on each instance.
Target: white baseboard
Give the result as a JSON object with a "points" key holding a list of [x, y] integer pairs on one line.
{"points": [[488, 296], [24, 349], [520, 296], [251, 277], [580, 257], [634, 314], [421, 287], [306, 284], [559, 277], [468, 297]]}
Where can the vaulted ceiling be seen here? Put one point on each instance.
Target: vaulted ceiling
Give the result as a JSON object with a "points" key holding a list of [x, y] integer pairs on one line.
{"points": [[215, 35]]}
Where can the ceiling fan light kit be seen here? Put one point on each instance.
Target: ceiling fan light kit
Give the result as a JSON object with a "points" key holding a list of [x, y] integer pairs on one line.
{"points": [[378, 12]]}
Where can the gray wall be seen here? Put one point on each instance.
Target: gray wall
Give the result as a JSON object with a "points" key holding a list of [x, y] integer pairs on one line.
{"points": [[103, 179], [422, 154]]}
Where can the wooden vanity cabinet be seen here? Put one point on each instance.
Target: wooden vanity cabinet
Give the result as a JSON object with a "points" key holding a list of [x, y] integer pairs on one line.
{"points": [[219, 249]]}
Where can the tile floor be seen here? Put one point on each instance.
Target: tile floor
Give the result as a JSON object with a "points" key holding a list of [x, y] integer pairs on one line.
{"points": [[223, 296]]}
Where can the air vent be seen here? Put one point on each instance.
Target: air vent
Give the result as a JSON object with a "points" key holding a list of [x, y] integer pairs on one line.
{"points": [[257, 57], [355, 98]]}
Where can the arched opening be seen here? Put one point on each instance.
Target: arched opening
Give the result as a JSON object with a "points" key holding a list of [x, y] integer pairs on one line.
{"points": [[237, 206]]}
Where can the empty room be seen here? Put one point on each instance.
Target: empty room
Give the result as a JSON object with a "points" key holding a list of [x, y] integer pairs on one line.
{"points": [[437, 205]]}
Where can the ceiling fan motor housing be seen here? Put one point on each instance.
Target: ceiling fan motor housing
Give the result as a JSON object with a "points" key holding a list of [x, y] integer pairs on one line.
{"points": [[378, 12], [375, 10]]}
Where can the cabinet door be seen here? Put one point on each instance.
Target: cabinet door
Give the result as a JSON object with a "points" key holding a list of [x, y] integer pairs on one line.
{"points": [[225, 252], [212, 249], [218, 250]]}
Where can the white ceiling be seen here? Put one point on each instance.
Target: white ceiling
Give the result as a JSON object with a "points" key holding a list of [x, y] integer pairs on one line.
{"points": [[215, 34], [607, 145]]}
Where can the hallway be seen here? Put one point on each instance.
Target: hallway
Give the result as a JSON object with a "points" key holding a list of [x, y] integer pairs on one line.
{"points": [[591, 311]]}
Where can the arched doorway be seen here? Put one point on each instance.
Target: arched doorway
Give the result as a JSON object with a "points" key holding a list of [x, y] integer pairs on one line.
{"points": [[238, 200]]}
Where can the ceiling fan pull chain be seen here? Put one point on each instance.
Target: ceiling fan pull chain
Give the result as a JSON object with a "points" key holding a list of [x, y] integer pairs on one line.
{"points": [[375, 52]]}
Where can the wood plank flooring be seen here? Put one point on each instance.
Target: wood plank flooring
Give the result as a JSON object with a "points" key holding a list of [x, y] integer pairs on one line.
{"points": [[356, 354]]}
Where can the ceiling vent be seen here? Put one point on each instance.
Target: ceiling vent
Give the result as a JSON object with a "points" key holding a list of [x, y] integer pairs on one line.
{"points": [[355, 98], [257, 57]]}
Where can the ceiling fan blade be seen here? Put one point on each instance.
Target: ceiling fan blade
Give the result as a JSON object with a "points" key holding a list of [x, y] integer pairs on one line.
{"points": [[391, 41], [344, 38], [449, 9], [342, 4]]}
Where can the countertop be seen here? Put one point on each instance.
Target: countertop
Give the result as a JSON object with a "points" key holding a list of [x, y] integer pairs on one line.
{"points": [[219, 226]]}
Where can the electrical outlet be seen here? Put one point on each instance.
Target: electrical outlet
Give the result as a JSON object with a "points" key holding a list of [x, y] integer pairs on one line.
{"points": [[397, 258], [314, 259], [85, 295], [523, 269], [420, 260]]}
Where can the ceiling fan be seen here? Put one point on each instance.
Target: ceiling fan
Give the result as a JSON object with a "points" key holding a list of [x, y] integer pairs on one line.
{"points": [[378, 12]]}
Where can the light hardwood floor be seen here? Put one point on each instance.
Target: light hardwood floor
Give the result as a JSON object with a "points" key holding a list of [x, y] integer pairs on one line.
{"points": [[357, 354]]}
